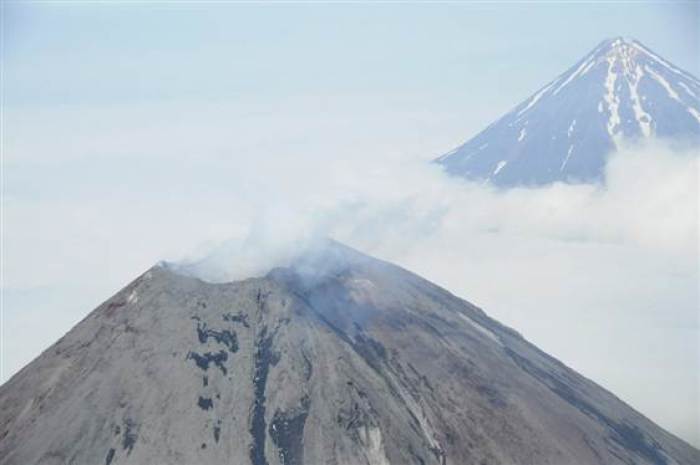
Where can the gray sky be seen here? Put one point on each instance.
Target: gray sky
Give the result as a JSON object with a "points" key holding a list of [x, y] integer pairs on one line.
{"points": [[134, 133]]}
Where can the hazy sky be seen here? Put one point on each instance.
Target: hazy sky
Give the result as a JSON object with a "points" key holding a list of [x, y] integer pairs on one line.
{"points": [[134, 133], [474, 59]]}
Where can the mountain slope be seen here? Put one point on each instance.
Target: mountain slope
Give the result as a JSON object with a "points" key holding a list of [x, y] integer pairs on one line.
{"points": [[620, 92], [336, 359]]}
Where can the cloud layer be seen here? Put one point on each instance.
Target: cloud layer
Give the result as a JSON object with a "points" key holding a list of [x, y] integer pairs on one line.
{"points": [[604, 278]]}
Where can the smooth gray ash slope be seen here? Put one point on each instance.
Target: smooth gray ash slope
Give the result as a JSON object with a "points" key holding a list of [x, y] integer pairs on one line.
{"points": [[619, 93], [340, 359]]}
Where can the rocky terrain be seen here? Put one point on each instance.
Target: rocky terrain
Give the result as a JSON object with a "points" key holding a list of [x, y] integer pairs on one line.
{"points": [[338, 359]]}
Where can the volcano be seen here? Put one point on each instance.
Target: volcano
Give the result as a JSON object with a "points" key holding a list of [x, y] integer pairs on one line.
{"points": [[620, 93], [336, 358]]}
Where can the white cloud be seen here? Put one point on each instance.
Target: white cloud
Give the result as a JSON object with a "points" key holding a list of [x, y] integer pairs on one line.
{"points": [[603, 278]]}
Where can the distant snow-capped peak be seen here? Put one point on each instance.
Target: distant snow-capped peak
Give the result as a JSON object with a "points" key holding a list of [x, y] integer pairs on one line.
{"points": [[564, 132]]}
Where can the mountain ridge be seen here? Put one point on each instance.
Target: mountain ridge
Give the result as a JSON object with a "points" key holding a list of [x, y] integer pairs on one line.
{"points": [[360, 363], [619, 93]]}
